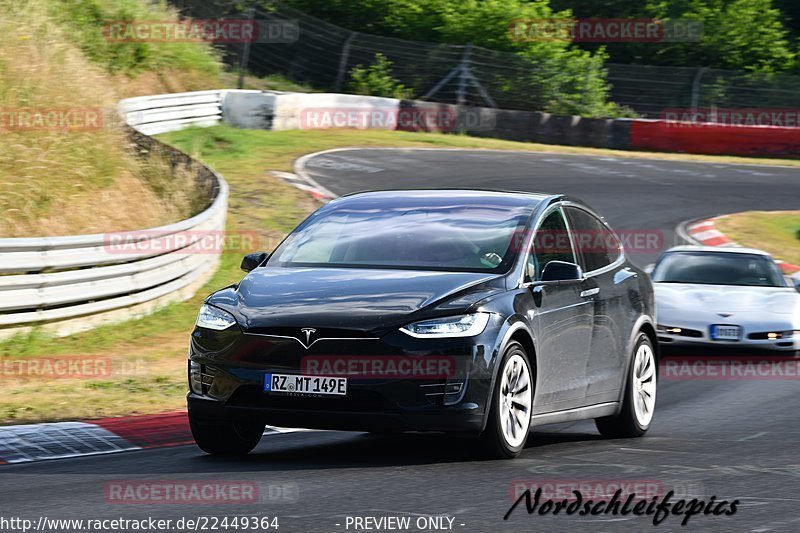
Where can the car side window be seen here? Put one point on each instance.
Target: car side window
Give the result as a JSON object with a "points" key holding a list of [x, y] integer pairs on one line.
{"points": [[551, 243], [596, 243]]}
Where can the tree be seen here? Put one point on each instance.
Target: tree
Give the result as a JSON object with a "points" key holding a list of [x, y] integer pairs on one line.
{"points": [[737, 34], [563, 77], [377, 80]]}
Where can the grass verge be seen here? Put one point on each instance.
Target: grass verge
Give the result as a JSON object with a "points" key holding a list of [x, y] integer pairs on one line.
{"points": [[148, 356], [65, 164], [776, 232]]}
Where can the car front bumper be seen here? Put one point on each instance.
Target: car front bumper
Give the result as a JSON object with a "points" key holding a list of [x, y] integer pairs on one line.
{"points": [[698, 335], [232, 367], [466, 418]]}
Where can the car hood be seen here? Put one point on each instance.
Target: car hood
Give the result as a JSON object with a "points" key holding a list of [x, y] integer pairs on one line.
{"points": [[712, 299], [350, 298]]}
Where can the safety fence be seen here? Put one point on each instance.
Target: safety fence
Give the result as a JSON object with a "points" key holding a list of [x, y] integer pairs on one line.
{"points": [[323, 55]]}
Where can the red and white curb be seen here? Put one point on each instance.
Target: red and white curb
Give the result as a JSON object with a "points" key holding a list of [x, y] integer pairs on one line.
{"points": [[306, 184], [61, 440], [704, 232]]}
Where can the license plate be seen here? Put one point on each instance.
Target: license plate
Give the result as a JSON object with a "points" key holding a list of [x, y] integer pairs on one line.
{"points": [[725, 333], [305, 385]]}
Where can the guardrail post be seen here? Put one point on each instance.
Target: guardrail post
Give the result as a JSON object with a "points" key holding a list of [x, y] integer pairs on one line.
{"points": [[696, 89], [343, 61], [246, 50]]}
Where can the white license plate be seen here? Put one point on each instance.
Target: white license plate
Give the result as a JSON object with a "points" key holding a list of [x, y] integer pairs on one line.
{"points": [[305, 385], [725, 333]]}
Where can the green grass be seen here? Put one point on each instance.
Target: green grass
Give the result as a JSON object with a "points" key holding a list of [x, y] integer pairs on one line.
{"points": [[270, 82], [776, 232], [85, 20], [155, 346], [53, 57]]}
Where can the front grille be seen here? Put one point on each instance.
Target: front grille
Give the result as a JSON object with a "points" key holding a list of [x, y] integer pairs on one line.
{"points": [[318, 333]]}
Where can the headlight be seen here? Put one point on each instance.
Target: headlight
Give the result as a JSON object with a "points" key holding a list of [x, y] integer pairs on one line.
{"points": [[454, 326], [214, 318]]}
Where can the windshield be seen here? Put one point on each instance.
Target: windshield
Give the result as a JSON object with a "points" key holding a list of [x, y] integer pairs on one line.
{"points": [[461, 234], [712, 268]]}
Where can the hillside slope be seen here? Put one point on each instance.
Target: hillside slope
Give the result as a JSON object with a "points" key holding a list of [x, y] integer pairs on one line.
{"points": [[83, 178]]}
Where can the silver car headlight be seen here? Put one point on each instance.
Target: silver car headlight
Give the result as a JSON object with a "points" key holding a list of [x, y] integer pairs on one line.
{"points": [[214, 318], [454, 326]]}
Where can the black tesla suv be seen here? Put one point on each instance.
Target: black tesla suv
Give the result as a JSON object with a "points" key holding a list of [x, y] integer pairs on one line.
{"points": [[476, 312]]}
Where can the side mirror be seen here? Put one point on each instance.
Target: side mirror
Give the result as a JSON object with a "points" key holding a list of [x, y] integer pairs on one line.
{"points": [[796, 283], [251, 261], [561, 271], [649, 268]]}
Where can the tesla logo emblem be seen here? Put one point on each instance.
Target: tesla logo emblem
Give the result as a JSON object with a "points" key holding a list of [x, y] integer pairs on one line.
{"points": [[724, 315], [308, 332]]}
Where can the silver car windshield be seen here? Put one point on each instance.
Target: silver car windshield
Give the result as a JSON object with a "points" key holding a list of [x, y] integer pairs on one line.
{"points": [[718, 268]]}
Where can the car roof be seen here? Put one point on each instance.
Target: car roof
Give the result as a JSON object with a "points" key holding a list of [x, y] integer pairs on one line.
{"points": [[501, 197], [717, 249]]}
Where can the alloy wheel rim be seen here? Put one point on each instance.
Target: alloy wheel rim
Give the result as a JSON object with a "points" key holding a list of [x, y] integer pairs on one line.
{"points": [[644, 384], [515, 400]]}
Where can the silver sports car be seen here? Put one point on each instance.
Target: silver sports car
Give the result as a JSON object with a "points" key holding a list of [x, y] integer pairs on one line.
{"points": [[725, 296]]}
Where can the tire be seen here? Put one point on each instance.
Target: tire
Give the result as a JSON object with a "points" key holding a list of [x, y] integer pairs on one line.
{"points": [[639, 403], [502, 438], [226, 437]]}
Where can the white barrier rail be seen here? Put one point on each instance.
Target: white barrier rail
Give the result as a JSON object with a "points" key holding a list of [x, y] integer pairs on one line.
{"points": [[168, 112], [68, 284]]}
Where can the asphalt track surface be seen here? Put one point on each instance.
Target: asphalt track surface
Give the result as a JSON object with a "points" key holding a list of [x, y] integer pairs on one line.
{"points": [[729, 439]]}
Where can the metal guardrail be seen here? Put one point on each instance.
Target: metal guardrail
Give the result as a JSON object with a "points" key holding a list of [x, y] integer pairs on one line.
{"points": [[60, 282], [152, 115]]}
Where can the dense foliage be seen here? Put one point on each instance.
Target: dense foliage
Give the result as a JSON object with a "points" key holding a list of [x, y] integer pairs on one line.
{"points": [[753, 35]]}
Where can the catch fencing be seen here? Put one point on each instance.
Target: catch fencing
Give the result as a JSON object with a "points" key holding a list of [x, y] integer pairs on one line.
{"points": [[322, 55]]}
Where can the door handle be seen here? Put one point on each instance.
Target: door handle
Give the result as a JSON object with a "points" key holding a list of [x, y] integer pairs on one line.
{"points": [[589, 292]]}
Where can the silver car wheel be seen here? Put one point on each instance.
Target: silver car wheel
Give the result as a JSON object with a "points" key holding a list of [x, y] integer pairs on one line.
{"points": [[644, 385], [515, 400]]}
